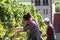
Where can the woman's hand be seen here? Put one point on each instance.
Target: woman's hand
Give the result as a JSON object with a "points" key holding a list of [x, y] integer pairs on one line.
{"points": [[45, 35], [19, 29]]}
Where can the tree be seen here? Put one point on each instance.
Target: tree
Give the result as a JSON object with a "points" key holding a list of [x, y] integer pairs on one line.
{"points": [[57, 6], [11, 13]]}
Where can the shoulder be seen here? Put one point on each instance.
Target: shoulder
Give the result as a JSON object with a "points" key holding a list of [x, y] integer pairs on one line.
{"points": [[32, 19], [32, 23], [51, 26]]}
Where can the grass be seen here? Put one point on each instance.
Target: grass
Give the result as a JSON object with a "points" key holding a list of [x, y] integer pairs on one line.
{"points": [[30, 0], [57, 0], [24, 0], [26, 3]]}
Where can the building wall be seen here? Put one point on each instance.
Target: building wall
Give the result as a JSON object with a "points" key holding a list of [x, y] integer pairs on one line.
{"points": [[44, 14], [50, 7], [53, 10]]}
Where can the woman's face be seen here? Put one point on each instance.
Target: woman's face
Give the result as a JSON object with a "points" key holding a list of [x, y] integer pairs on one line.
{"points": [[25, 21]]}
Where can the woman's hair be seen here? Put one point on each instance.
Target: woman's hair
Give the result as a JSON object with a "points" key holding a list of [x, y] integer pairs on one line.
{"points": [[29, 14], [26, 17]]}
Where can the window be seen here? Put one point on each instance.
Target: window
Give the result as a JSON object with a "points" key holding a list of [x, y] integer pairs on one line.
{"points": [[37, 10], [37, 2], [45, 11], [45, 2]]}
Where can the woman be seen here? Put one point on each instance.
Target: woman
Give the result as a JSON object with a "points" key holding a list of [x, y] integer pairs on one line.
{"points": [[32, 19], [34, 33]]}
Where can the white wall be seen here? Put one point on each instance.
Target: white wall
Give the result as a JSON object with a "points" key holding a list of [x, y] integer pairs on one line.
{"points": [[41, 8]]}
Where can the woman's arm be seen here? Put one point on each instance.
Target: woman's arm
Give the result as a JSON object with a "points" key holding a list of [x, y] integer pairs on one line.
{"points": [[23, 28], [45, 35], [19, 29]]}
